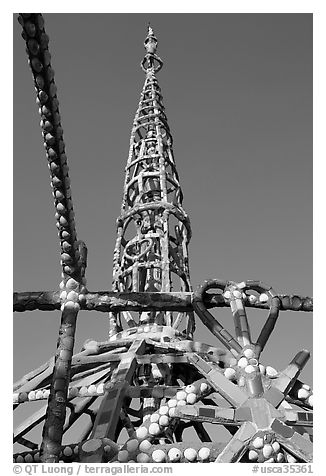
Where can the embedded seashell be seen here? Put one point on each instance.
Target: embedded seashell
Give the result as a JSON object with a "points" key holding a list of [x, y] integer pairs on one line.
{"points": [[163, 410], [310, 400], [91, 346], [227, 294], [204, 453], [181, 395], [100, 389], [190, 454], [28, 458], [141, 432], [276, 446], [145, 446], [155, 417], [190, 389], [39, 395], [263, 298], [237, 294], [203, 387], [230, 373], [31, 395], [243, 362], [83, 391], [253, 455], [270, 460], [164, 420], [174, 455], [271, 372], [303, 394], [92, 389], [158, 456], [143, 458], [258, 442], [154, 429], [172, 403], [172, 412], [250, 369], [191, 398], [69, 305], [181, 403], [72, 284], [280, 457], [249, 353], [68, 451], [267, 451], [46, 393], [252, 299], [72, 296], [123, 456], [132, 445]]}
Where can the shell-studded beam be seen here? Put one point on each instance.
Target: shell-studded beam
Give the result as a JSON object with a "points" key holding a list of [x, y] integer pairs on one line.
{"points": [[107, 301], [73, 252], [39, 59]]}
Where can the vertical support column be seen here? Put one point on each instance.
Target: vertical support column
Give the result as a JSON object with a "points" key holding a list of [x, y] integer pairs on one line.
{"points": [[109, 412]]}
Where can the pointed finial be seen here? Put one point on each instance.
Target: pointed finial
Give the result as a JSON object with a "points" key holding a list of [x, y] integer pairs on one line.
{"points": [[150, 42], [150, 30], [151, 62]]}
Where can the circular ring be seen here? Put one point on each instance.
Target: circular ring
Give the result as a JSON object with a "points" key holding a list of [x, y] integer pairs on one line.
{"points": [[140, 255]]}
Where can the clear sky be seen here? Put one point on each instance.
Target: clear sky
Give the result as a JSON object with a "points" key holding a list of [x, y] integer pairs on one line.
{"points": [[238, 95]]}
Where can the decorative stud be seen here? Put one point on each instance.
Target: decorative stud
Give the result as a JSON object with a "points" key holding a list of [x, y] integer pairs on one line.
{"points": [[263, 298], [174, 455], [252, 299], [141, 432], [143, 458], [132, 445], [271, 372], [190, 454], [164, 420], [249, 353], [145, 446], [242, 362], [303, 394], [253, 455], [154, 429], [204, 453], [191, 398], [155, 417], [123, 456], [267, 451], [258, 443], [158, 456]]}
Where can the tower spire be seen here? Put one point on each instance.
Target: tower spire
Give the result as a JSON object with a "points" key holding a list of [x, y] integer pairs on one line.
{"points": [[153, 230]]}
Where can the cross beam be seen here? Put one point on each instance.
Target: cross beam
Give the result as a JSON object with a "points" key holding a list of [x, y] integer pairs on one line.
{"points": [[106, 301]]}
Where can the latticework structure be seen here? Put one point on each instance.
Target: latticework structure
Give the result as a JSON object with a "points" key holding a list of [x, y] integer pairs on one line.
{"points": [[150, 376]]}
